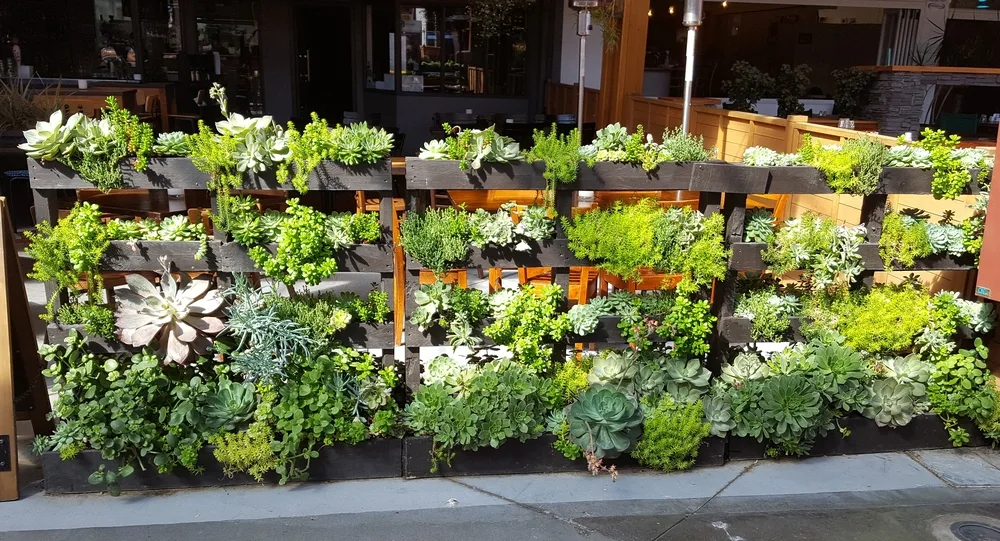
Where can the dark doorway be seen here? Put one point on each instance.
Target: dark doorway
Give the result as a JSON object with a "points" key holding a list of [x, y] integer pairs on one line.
{"points": [[323, 36]]}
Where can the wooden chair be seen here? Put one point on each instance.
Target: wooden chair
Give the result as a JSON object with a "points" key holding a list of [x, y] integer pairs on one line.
{"points": [[152, 113]]}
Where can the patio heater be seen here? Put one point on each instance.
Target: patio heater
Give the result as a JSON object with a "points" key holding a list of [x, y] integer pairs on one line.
{"points": [[692, 20], [583, 28]]}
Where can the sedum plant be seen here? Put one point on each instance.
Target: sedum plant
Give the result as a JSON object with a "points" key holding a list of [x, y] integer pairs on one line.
{"points": [[493, 403], [178, 315], [671, 435], [351, 145], [625, 239], [604, 421], [903, 241]]}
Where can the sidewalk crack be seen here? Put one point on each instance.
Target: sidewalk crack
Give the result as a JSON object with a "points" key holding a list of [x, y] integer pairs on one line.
{"points": [[532, 508], [751, 466], [916, 459]]}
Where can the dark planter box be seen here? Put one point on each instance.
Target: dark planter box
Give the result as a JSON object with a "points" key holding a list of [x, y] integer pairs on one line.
{"points": [[125, 256], [180, 173], [372, 459], [922, 432], [358, 335], [548, 253], [713, 176], [513, 457], [447, 175], [749, 256]]}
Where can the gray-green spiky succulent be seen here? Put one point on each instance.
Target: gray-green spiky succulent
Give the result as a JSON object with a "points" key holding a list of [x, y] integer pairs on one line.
{"points": [[687, 379], [746, 366], [614, 368], [173, 143], [910, 370], [434, 149], [719, 414], [892, 403], [759, 226], [945, 239]]}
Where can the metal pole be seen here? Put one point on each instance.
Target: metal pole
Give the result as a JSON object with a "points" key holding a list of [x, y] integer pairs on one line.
{"points": [[579, 104], [582, 30], [688, 78]]}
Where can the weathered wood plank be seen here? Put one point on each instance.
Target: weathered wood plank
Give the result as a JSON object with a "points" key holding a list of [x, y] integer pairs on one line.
{"points": [[549, 253], [715, 176], [180, 173], [748, 256], [123, 256], [447, 175], [370, 459]]}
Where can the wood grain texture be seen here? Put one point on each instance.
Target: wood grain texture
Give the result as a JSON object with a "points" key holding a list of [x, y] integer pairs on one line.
{"points": [[123, 256], [748, 256], [181, 173], [447, 175]]}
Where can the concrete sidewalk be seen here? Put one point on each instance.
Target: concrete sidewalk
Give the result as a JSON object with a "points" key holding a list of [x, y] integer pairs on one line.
{"points": [[835, 493]]}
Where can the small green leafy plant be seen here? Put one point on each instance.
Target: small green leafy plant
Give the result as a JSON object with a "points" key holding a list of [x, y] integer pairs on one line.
{"points": [[671, 435], [561, 154], [472, 148]]}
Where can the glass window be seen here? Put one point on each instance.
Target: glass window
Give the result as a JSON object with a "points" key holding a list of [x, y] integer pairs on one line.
{"points": [[229, 52], [380, 50], [161, 39], [453, 49], [115, 46]]}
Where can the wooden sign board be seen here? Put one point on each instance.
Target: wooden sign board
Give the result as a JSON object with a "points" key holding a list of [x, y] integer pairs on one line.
{"points": [[22, 388]]}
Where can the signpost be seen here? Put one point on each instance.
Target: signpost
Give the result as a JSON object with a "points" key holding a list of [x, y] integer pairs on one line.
{"points": [[22, 388]]}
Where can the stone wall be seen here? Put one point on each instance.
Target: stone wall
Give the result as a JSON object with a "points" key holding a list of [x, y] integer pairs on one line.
{"points": [[897, 96]]}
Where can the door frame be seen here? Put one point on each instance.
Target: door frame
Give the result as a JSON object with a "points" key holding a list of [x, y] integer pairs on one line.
{"points": [[356, 13]]}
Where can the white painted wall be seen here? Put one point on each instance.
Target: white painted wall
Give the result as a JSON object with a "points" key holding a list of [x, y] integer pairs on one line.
{"points": [[569, 61]]}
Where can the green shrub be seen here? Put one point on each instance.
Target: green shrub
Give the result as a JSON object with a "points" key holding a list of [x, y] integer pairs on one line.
{"points": [[671, 436], [852, 90], [747, 86], [561, 154], [792, 83]]}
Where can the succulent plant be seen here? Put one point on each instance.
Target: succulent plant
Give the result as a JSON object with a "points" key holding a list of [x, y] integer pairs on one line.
{"points": [[431, 299], [614, 369], [980, 315], [945, 239], [434, 150], [908, 156], [178, 314], [892, 403], [791, 407], [910, 370], [687, 379], [51, 139], [583, 318], [746, 366], [173, 143], [605, 421], [765, 157], [261, 149], [835, 366], [229, 405], [719, 414], [759, 226]]}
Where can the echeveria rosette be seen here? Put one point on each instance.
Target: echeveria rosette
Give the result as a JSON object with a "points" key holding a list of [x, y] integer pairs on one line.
{"points": [[792, 406], [604, 420], [178, 315]]}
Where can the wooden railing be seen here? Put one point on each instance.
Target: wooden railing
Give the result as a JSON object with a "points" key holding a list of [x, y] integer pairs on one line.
{"points": [[732, 132], [561, 99]]}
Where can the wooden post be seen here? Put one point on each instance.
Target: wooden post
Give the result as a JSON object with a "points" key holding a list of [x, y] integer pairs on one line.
{"points": [[18, 354], [622, 69], [792, 132]]}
